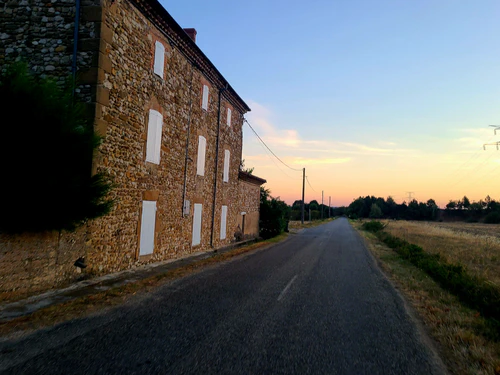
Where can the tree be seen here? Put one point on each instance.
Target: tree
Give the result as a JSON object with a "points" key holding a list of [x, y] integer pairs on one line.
{"points": [[451, 205], [274, 215], [47, 157], [432, 209], [375, 211], [244, 169], [313, 205], [465, 202]]}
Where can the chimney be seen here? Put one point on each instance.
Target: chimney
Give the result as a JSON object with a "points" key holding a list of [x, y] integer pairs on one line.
{"points": [[192, 33]]}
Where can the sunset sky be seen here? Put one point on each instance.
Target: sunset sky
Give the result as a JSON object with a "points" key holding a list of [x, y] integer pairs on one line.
{"points": [[372, 97]]}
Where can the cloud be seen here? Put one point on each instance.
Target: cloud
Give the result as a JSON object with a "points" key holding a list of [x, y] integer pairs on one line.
{"points": [[312, 161], [476, 137], [285, 141]]}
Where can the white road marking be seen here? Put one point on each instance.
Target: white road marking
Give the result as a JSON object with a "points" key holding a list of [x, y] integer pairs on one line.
{"points": [[282, 294]]}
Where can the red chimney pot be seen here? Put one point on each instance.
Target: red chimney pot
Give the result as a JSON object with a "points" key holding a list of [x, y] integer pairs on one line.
{"points": [[192, 33]]}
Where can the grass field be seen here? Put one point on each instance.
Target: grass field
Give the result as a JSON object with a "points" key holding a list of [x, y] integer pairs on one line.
{"points": [[476, 246], [457, 329]]}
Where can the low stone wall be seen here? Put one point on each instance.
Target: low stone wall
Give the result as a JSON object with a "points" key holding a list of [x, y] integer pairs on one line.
{"points": [[31, 263]]}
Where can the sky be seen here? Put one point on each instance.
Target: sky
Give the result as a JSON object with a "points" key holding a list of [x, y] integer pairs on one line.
{"points": [[384, 98]]}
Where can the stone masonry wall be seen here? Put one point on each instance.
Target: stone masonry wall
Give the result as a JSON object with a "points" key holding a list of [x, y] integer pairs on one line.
{"points": [[31, 263], [115, 60], [40, 33], [249, 203], [134, 89]]}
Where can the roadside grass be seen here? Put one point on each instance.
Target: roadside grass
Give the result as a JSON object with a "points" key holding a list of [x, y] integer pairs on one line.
{"points": [[297, 224], [86, 305], [463, 336], [472, 246]]}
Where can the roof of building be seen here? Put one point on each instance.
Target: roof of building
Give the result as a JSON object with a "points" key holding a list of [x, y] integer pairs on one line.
{"points": [[159, 16], [248, 177]]}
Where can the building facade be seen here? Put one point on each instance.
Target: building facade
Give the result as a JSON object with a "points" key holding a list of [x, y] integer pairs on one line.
{"points": [[172, 139]]}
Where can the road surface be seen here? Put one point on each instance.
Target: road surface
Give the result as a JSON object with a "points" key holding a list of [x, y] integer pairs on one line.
{"points": [[314, 304]]}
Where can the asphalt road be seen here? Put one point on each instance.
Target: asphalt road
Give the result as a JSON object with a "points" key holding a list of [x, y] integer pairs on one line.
{"points": [[315, 304]]}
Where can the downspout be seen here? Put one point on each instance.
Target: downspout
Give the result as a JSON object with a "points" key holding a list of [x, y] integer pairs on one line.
{"points": [[216, 166], [187, 140], [75, 45]]}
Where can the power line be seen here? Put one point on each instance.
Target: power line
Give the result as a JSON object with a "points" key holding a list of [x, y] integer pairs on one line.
{"points": [[307, 179], [266, 152], [472, 157], [276, 156], [479, 167]]}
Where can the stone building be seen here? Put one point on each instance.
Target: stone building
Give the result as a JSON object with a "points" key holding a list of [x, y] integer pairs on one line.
{"points": [[172, 139], [249, 200]]}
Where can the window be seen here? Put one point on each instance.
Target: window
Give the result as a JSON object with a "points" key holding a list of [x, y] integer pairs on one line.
{"points": [[223, 223], [227, 155], [198, 208], [229, 117], [200, 166], [148, 221], [159, 64], [153, 143], [204, 102]]}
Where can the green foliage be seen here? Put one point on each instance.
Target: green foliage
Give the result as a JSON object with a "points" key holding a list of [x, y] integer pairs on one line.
{"points": [[373, 226], [46, 157], [492, 218], [375, 211], [244, 169], [372, 207], [274, 215], [471, 290]]}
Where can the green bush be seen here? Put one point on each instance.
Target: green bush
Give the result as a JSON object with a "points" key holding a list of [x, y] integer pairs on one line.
{"points": [[473, 291], [46, 157], [274, 215], [373, 226], [492, 218]]}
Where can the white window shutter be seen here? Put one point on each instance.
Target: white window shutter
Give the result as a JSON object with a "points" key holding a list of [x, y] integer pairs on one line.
{"points": [[198, 209], [159, 64], [200, 163], [227, 155], [204, 103], [159, 130], [148, 222], [229, 117], [223, 223], [153, 143]]}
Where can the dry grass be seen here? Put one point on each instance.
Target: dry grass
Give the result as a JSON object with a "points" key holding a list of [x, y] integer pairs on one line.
{"points": [[307, 224], [456, 329], [476, 246]]}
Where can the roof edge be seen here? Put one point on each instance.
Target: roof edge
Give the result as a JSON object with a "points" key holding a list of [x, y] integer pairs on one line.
{"points": [[248, 177], [164, 16]]}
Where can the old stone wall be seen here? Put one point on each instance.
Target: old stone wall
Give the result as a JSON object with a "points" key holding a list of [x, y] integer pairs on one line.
{"points": [[40, 33], [116, 62], [134, 89], [249, 194], [31, 263]]}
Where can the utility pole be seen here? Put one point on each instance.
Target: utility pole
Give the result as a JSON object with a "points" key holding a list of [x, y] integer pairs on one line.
{"points": [[303, 191], [321, 204], [409, 195], [329, 204], [496, 127]]}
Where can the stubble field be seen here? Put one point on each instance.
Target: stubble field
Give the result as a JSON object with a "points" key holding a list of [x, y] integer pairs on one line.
{"points": [[459, 332]]}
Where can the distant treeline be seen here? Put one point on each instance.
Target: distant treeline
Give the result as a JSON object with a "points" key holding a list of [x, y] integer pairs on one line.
{"points": [[312, 211], [487, 210]]}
